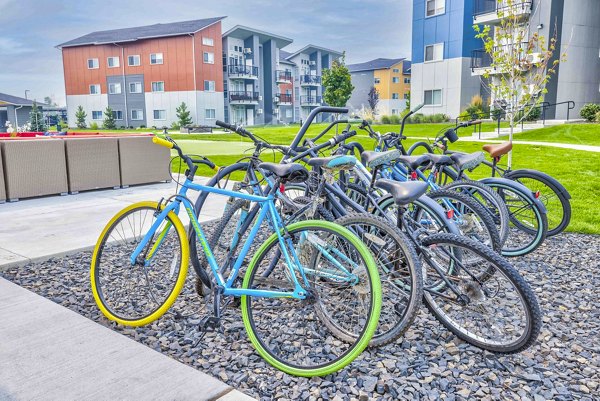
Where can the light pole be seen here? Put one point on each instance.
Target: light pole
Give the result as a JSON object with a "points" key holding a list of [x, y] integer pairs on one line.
{"points": [[26, 90]]}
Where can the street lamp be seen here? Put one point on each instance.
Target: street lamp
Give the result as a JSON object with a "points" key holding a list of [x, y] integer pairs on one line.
{"points": [[26, 90]]}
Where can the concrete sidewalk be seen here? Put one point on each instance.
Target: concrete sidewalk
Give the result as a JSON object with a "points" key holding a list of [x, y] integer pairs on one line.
{"points": [[48, 352], [37, 229]]}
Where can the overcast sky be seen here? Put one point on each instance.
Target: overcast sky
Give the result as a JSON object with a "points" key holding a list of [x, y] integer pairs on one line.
{"points": [[30, 29]]}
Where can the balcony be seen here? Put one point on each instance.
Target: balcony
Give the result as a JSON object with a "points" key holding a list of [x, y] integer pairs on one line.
{"points": [[283, 99], [243, 97], [491, 12], [310, 80], [481, 61], [242, 71], [283, 77], [309, 101]]}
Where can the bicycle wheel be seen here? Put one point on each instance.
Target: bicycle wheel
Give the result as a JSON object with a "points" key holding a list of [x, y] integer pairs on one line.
{"points": [[138, 294], [551, 193], [342, 284], [489, 199], [419, 148], [472, 219], [400, 273], [499, 314]]}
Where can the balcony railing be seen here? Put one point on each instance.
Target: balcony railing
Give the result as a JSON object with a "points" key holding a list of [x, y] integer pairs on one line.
{"points": [[481, 7], [482, 59], [243, 71], [243, 96], [283, 76], [310, 100], [310, 80], [283, 98]]}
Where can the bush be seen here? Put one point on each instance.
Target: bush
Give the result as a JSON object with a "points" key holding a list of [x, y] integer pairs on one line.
{"points": [[395, 119], [425, 119], [589, 111], [497, 114], [416, 118], [175, 126], [94, 125], [385, 119]]}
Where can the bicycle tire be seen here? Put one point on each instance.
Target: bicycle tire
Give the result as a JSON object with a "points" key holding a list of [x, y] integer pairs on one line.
{"points": [[417, 145], [123, 243], [251, 310]]}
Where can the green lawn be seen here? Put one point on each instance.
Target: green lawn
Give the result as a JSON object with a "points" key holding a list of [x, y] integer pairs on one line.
{"points": [[583, 134]]}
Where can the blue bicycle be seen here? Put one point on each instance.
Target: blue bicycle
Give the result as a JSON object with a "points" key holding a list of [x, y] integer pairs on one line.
{"points": [[304, 278]]}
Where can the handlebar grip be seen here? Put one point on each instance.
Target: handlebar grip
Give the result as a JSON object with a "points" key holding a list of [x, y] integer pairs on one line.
{"points": [[223, 124], [342, 138], [330, 109], [162, 142], [474, 122]]}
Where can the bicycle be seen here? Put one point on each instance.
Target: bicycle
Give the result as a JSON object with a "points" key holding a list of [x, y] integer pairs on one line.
{"points": [[324, 272]]}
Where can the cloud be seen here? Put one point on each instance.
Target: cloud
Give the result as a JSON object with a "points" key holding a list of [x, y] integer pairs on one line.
{"points": [[9, 46]]}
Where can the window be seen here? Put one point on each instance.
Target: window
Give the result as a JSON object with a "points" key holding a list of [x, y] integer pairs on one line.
{"points": [[434, 52], [433, 97], [96, 115], [210, 114], [112, 62], [377, 80], [288, 113], [435, 7], [208, 41], [209, 86], [156, 58], [395, 112], [117, 114], [407, 95], [135, 87], [133, 61], [158, 86], [395, 80], [395, 96], [209, 57], [406, 80], [396, 70], [95, 89], [137, 114], [93, 63], [160, 114], [114, 89]]}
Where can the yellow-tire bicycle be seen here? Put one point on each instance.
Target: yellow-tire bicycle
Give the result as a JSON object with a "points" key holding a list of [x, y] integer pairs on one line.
{"points": [[139, 293]]}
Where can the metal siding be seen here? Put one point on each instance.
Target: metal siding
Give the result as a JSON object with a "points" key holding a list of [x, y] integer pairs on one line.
{"points": [[117, 101], [136, 100]]}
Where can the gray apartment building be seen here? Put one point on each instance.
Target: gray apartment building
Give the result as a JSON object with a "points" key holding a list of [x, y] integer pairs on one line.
{"points": [[15, 110]]}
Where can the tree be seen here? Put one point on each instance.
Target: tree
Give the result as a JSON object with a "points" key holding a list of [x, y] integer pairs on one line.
{"points": [[522, 63], [407, 101], [109, 119], [337, 84], [183, 115], [373, 99], [36, 119], [48, 100], [80, 116]]}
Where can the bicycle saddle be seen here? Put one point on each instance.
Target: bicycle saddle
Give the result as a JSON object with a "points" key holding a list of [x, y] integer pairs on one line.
{"points": [[497, 150], [414, 162], [339, 162], [440, 160], [373, 159], [403, 192], [467, 161], [287, 172]]}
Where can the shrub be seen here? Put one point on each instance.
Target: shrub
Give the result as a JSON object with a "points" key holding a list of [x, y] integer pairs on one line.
{"points": [[395, 119], [589, 111], [94, 125], [416, 118], [175, 125], [385, 120], [497, 114], [439, 118], [142, 126]]}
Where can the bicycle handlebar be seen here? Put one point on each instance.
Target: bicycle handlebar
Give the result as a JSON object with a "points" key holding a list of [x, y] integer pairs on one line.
{"points": [[311, 117], [169, 143]]}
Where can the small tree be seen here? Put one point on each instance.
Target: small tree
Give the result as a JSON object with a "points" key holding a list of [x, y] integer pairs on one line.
{"points": [[80, 116], [373, 98], [36, 119], [183, 115], [48, 100], [337, 84], [520, 67], [109, 119]]}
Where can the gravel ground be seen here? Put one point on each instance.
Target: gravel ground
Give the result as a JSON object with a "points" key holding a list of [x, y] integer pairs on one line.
{"points": [[427, 364]]}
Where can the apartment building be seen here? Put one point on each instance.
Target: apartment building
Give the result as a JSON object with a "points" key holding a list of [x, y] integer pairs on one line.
{"points": [[144, 73], [391, 78], [448, 61]]}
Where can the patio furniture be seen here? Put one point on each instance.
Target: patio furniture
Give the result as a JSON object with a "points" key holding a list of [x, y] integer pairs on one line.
{"points": [[142, 162], [92, 163]]}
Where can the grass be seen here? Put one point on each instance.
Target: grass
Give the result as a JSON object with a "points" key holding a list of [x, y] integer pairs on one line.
{"points": [[582, 134]]}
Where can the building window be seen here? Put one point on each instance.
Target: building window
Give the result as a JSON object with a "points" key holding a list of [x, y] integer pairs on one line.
{"points": [[133, 61], [209, 86], [395, 96], [210, 114], [406, 80], [396, 70], [433, 97], [209, 57], [135, 87], [93, 63], [114, 89], [160, 114], [95, 89], [434, 52], [377, 80], [158, 86], [208, 41], [407, 95], [117, 114], [137, 114], [112, 62], [395, 112], [395, 80], [156, 58], [435, 7], [96, 115]]}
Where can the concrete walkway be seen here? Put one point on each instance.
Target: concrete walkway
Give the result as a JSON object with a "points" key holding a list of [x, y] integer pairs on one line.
{"points": [[588, 148], [48, 352], [37, 229]]}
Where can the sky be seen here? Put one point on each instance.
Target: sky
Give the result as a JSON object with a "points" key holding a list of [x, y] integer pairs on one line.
{"points": [[30, 30]]}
